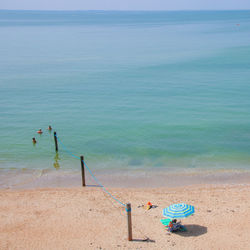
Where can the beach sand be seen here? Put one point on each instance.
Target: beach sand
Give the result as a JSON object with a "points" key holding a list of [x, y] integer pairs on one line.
{"points": [[86, 218]]}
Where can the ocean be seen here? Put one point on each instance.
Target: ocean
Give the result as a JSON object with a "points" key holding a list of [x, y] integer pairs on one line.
{"points": [[130, 91]]}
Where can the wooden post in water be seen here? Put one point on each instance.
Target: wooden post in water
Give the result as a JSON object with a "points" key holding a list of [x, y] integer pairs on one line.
{"points": [[83, 172], [128, 209], [55, 138]]}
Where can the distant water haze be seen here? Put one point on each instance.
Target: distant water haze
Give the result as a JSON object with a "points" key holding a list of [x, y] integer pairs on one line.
{"points": [[128, 90], [131, 5]]}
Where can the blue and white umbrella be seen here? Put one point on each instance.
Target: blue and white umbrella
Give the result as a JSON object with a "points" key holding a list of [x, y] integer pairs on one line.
{"points": [[177, 211]]}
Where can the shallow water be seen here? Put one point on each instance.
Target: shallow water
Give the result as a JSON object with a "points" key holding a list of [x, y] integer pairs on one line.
{"points": [[128, 90]]}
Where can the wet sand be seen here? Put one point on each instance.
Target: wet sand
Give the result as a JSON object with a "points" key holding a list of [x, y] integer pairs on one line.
{"points": [[86, 218], [44, 178]]}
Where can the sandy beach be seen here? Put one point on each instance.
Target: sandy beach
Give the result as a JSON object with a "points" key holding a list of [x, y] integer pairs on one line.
{"points": [[86, 218]]}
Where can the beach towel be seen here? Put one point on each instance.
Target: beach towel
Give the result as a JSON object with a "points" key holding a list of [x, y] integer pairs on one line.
{"points": [[165, 222]]}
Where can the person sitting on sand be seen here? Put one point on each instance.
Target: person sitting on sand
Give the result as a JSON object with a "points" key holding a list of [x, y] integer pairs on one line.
{"points": [[40, 131], [175, 226]]}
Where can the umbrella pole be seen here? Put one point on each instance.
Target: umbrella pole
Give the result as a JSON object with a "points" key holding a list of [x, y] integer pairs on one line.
{"points": [[128, 209]]}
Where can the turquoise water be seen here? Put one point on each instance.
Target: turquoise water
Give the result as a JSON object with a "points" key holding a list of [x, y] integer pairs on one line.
{"points": [[128, 90]]}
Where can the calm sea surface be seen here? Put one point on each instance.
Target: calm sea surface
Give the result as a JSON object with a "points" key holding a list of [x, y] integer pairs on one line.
{"points": [[128, 90]]}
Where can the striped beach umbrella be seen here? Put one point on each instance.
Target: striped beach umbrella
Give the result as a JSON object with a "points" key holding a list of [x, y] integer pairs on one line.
{"points": [[177, 211]]}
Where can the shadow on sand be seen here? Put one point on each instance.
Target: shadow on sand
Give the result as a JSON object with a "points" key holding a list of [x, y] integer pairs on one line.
{"points": [[93, 185], [143, 240], [193, 230]]}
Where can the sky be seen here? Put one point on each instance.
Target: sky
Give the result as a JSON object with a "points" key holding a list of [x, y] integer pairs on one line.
{"points": [[124, 4]]}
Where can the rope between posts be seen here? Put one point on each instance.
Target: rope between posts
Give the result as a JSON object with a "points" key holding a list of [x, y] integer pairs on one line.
{"points": [[92, 175], [66, 150]]}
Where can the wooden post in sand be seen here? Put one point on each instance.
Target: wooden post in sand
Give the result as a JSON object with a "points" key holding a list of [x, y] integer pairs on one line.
{"points": [[128, 209], [55, 138], [83, 172]]}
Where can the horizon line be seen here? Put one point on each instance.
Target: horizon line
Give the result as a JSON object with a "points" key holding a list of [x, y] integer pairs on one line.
{"points": [[126, 10]]}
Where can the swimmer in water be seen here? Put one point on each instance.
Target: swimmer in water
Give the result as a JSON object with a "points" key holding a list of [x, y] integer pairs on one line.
{"points": [[40, 131], [49, 128], [34, 140]]}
